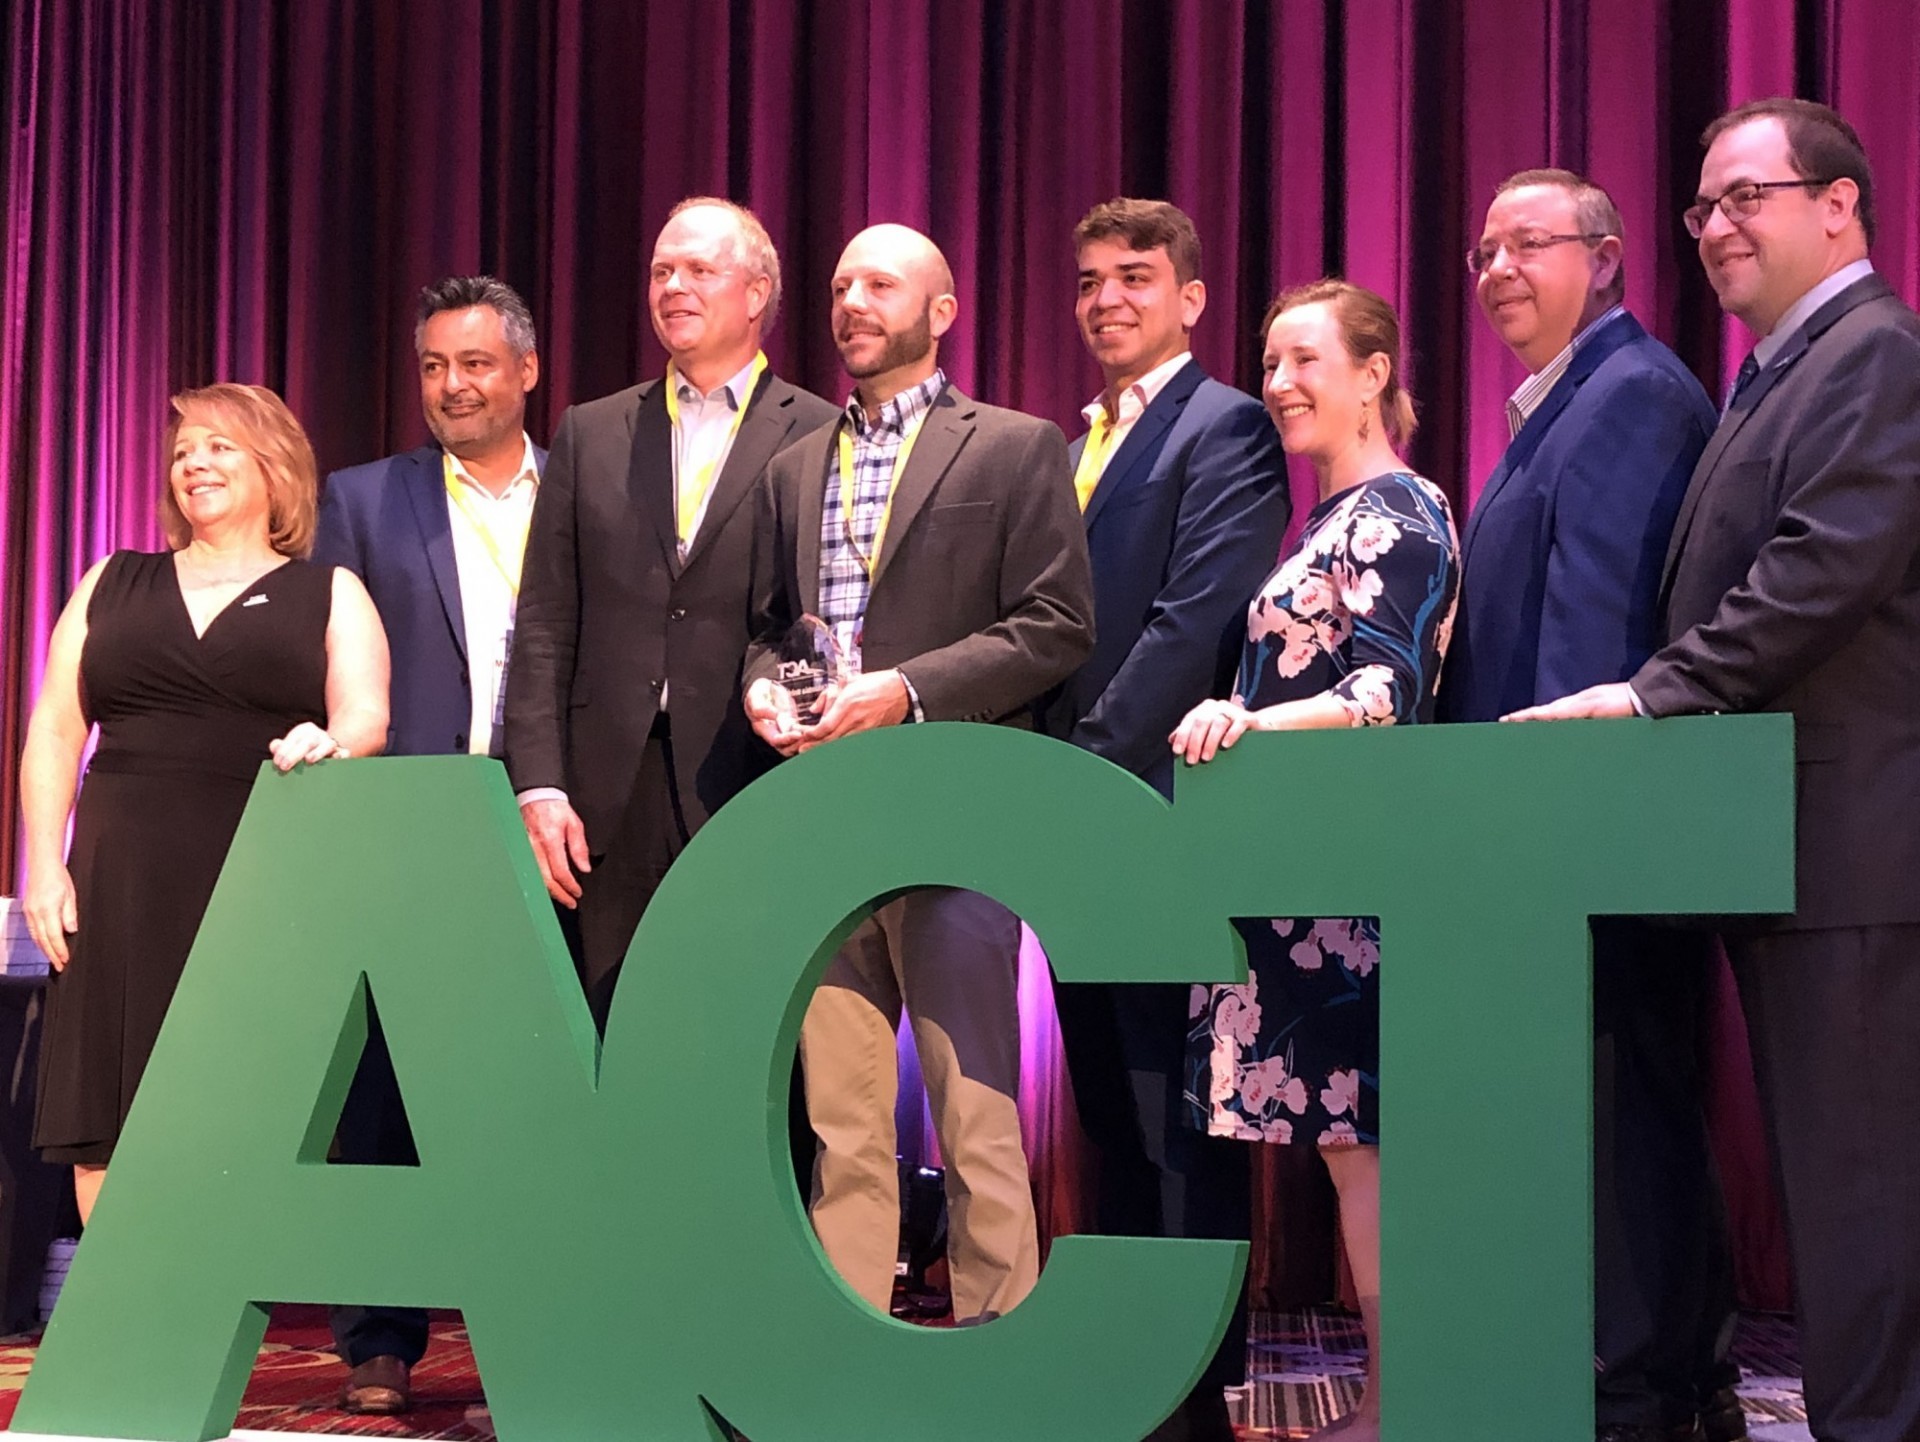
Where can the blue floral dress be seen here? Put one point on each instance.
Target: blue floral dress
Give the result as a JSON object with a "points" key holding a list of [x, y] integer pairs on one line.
{"points": [[1361, 609]]}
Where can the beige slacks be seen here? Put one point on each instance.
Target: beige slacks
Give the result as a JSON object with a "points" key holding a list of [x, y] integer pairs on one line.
{"points": [[952, 958]]}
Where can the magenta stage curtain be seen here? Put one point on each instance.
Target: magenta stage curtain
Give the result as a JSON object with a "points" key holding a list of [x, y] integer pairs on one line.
{"points": [[255, 191]]}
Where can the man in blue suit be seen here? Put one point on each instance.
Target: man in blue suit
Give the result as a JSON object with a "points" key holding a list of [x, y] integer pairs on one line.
{"points": [[1183, 487], [1562, 560], [437, 535]]}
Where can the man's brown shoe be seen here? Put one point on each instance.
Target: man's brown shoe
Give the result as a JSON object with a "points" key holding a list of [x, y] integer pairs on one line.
{"points": [[377, 1387]]}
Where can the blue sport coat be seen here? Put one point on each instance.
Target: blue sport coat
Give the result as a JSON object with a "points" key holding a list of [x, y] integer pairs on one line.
{"points": [[387, 522], [1562, 556], [1184, 525]]}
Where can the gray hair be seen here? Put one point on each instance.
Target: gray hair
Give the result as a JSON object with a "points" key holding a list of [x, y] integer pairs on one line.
{"points": [[1593, 211], [464, 292], [756, 248]]}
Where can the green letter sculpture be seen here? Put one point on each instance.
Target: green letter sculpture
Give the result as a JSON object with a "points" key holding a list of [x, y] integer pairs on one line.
{"points": [[600, 1219]]}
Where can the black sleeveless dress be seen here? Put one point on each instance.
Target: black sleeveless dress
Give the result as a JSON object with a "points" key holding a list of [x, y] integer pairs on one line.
{"points": [[184, 725]]}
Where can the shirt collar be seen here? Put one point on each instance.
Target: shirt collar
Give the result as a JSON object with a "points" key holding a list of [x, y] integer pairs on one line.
{"points": [[900, 412], [1137, 397], [1536, 387], [1801, 311], [529, 471], [733, 390]]}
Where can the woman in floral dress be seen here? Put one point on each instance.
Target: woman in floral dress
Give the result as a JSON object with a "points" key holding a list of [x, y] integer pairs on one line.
{"points": [[1349, 631]]}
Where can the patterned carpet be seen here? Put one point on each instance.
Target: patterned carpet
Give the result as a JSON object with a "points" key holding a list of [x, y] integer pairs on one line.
{"points": [[296, 1383], [1304, 1369]]}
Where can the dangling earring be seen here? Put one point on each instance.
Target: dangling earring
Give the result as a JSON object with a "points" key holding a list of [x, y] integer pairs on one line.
{"points": [[1365, 426]]}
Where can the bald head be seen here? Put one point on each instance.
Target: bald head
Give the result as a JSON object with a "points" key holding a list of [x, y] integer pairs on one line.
{"points": [[905, 251], [892, 301]]}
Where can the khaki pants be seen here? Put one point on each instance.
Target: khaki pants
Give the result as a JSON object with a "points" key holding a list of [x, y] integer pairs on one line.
{"points": [[952, 958]]}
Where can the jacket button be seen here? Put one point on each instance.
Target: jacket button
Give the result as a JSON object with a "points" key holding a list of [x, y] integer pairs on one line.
{"points": [[678, 613], [459, 741], [654, 686]]}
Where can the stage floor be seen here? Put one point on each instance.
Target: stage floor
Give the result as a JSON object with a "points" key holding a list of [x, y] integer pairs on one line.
{"points": [[1304, 1368]]}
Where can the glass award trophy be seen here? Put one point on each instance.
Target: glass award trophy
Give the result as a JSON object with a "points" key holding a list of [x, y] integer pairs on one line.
{"points": [[812, 664]]}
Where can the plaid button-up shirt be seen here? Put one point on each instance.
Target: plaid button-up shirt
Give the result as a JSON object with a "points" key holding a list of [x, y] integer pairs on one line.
{"points": [[844, 582]]}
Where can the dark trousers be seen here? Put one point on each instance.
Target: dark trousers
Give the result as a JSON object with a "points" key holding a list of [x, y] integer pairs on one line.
{"points": [[1663, 1275], [1159, 1176], [1834, 1021], [373, 1132], [627, 869]]}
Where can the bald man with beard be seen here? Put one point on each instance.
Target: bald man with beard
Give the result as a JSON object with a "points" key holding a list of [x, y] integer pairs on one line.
{"points": [[941, 541]]}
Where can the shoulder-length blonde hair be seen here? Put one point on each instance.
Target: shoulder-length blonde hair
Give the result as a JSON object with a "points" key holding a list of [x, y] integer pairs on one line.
{"points": [[261, 423]]}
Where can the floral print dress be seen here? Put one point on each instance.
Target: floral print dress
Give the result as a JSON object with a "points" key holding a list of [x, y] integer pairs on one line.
{"points": [[1361, 609]]}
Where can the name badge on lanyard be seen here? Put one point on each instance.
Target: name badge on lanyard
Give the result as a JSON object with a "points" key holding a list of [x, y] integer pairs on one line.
{"points": [[500, 662]]}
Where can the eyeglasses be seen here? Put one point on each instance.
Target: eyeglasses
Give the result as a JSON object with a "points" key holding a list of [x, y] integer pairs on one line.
{"points": [[1521, 248], [1742, 202]]}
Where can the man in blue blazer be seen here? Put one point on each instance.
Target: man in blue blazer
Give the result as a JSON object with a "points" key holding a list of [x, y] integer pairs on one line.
{"points": [[437, 534], [1183, 489], [1561, 559]]}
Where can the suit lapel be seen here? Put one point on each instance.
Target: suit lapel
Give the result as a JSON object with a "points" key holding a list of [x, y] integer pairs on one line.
{"points": [[1492, 488], [763, 430], [427, 491], [1521, 448], [815, 477], [1143, 440], [1513, 461], [948, 424], [1871, 287], [650, 472], [1723, 435]]}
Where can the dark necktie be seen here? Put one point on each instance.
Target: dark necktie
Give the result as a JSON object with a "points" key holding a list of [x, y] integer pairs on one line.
{"points": [[1749, 368]]}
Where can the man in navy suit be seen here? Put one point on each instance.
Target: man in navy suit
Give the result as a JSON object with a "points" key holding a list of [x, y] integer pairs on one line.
{"points": [[1561, 562], [437, 535], [1183, 488]]}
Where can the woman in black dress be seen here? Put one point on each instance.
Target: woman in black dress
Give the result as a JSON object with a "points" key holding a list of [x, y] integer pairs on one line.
{"points": [[197, 664], [1348, 631]]}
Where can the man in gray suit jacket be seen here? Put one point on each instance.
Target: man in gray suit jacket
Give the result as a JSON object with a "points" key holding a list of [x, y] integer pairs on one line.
{"points": [[623, 721], [939, 539], [1793, 584]]}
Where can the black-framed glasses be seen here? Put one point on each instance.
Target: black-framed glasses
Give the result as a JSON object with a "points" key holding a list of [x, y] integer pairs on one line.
{"points": [[1523, 248], [1741, 202]]}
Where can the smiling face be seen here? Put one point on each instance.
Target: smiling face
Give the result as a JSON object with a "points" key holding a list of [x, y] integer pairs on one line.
{"points": [[1312, 388], [473, 388], [1760, 265], [1134, 313], [1538, 302], [889, 303], [217, 483], [706, 305]]}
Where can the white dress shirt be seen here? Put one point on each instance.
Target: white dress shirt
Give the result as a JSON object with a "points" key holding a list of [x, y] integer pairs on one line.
{"points": [[1535, 388], [1134, 401], [705, 437], [489, 538]]}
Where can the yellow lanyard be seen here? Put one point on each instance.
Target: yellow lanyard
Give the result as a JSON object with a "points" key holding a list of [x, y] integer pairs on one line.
{"points": [[1093, 456], [693, 487], [869, 559], [509, 569]]}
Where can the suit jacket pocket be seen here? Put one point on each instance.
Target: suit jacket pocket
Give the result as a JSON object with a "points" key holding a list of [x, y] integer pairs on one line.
{"points": [[1817, 741], [961, 513]]}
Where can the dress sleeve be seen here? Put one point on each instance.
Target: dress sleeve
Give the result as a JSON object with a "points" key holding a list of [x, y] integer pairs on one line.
{"points": [[1398, 577]]}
